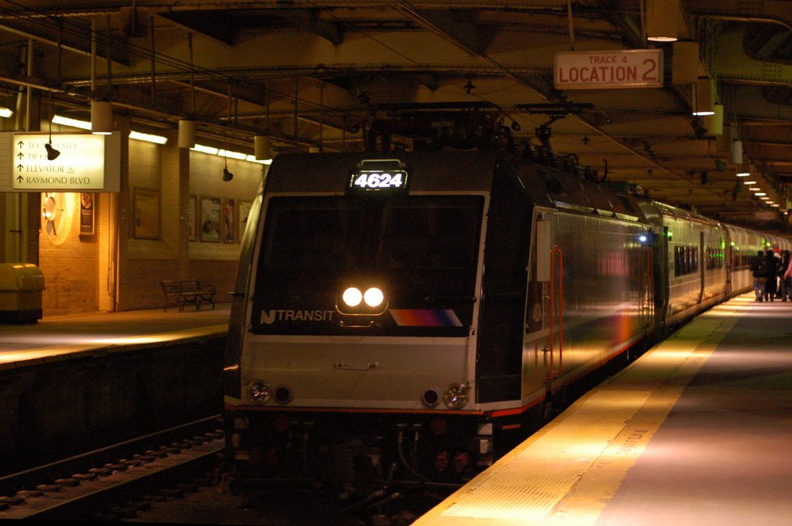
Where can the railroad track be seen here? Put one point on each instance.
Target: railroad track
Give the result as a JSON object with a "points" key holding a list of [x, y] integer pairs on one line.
{"points": [[100, 484], [175, 476]]}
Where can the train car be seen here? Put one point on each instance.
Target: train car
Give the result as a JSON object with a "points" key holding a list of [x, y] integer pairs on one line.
{"points": [[690, 254], [413, 315], [743, 246], [412, 312]]}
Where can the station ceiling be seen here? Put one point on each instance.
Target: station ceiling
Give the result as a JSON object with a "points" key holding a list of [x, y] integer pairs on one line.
{"points": [[317, 74]]}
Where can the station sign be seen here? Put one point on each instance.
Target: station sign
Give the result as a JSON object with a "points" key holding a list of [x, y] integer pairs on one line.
{"points": [[633, 68], [84, 162]]}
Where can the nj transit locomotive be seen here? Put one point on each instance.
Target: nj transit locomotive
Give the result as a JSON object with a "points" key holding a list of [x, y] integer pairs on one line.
{"points": [[413, 315]]}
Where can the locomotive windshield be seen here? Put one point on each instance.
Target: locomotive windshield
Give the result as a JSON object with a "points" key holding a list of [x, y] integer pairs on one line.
{"points": [[420, 251]]}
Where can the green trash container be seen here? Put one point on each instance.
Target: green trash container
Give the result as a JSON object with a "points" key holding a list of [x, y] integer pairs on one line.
{"points": [[21, 286]]}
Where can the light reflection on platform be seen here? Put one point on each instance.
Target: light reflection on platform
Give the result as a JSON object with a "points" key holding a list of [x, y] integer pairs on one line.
{"points": [[709, 411], [58, 337]]}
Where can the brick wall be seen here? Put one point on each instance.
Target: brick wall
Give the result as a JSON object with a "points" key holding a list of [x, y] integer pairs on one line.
{"points": [[69, 264], [80, 270]]}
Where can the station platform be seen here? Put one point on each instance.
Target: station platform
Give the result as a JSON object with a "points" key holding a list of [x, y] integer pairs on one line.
{"points": [[66, 337], [70, 384], [697, 431]]}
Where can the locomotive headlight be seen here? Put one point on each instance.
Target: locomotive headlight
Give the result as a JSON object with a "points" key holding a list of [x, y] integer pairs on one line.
{"points": [[352, 297], [354, 302], [456, 396], [260, 392], [373, 297]]}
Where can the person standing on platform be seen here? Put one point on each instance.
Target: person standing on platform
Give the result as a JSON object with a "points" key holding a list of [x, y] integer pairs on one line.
{"points": [[759, 272], [783, 289], [787, 280], [779, 272], [771, 284]]}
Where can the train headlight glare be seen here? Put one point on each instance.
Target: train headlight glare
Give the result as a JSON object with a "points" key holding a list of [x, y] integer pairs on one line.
{"points": [[456, 396], [260, 392], [352, 297], [373, 297]]}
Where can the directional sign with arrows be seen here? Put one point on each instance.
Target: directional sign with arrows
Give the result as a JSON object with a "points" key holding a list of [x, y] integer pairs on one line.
{"points": [[58, 162]]}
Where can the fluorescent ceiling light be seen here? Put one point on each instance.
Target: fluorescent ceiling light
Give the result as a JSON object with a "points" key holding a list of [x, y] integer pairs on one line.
{"points": [[74, 123], [228, 153], [252, 159], [157, 139], [205, 149], [233, 155]]}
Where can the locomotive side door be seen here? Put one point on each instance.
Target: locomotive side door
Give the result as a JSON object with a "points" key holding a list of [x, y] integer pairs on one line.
{"points": [[543, 346]]}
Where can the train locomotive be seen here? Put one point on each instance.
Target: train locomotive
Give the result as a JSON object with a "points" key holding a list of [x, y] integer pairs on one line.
{"points": [[414, 315]]}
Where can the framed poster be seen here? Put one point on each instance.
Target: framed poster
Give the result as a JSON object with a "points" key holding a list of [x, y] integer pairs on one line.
{"points": [[87, 217], [244, 211], [210, 219], [192, 226], [229, 221], [147, 213]]}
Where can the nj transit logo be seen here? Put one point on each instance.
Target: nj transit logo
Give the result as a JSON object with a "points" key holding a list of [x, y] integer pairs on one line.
{"points": [[268, 317]]}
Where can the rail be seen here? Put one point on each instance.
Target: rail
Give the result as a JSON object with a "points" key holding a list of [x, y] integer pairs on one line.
{"points": [[129, 468]]}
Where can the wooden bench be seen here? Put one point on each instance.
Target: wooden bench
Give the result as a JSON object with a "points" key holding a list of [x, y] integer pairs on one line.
{"points": [[179, 293]]}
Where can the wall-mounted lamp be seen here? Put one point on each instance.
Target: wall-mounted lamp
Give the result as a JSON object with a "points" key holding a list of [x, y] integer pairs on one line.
{"points": [[227, 176], [6, 112], [186, 133], [661, 20], [101, 117], [52, 153]]}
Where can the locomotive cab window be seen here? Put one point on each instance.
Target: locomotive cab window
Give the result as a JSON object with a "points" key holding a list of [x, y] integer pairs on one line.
{"points": [[420, 251]]}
